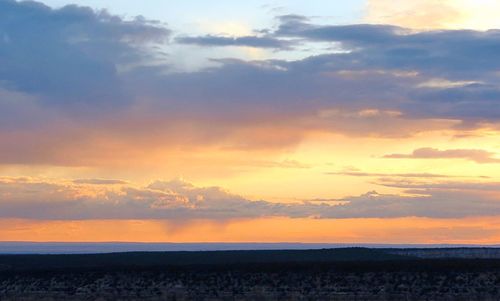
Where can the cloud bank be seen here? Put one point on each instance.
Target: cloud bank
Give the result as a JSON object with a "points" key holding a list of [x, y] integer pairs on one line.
{"points": [[29, 198], [80, 87], [86, 94], [101, 84]]}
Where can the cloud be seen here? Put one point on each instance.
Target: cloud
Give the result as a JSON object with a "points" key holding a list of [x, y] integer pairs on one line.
{"points": [[435, 204], [101, 89], [350, 34], [476, 155], [423, 187], [398, 175], [440, 52], [100, 182], [78, 52], [31, 198], [246, 41], [378, 67], [80, 87], [38, 199]]}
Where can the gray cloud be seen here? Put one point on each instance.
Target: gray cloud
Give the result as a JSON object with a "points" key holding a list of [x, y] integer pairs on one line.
{"points": [[435, 204], [38, 199], [476, 155], [446, 52], [248, 41], [452, 55], [355, 34], [70, 55], [84, 76]]}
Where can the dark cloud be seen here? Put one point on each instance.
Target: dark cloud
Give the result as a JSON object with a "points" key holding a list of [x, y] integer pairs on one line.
{"points": [[72, 54], [473, 101], [459, 53], [362, 34], [87, 77], [476, 155], [247, 41]]}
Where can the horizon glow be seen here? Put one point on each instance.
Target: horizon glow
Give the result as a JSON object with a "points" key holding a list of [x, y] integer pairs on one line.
{"points": [[265, 121]]}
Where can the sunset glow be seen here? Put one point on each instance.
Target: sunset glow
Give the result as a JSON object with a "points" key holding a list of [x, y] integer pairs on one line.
{"points": [[275, 121]]}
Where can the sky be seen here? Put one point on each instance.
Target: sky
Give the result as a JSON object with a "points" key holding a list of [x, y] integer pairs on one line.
{"points": [[259, 121]]}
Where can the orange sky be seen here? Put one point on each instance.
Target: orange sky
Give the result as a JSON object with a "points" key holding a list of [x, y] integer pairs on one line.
{"points": [[397, 231], [385, 130]]}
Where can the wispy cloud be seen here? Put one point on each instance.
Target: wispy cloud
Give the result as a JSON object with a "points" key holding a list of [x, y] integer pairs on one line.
{"points": [[100, 182], [476, 155], [398, 175]]}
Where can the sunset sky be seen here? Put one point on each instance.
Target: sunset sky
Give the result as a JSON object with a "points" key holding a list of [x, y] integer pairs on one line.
{"points": [[364, 121]]}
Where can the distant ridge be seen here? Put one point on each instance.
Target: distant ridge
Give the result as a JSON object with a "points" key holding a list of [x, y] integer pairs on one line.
{"points": [[194, 258], [118, 247]]}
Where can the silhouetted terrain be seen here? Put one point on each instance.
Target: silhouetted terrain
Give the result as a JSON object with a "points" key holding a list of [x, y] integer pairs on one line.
{"points": [[155, 259], [486, 253], [338, 274]]}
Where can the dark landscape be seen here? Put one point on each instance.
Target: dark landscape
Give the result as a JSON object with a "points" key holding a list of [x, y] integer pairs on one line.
{"points": [[327, 274]]}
